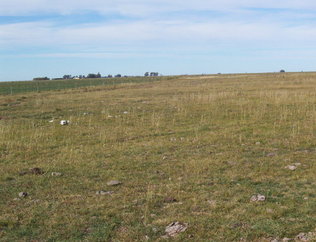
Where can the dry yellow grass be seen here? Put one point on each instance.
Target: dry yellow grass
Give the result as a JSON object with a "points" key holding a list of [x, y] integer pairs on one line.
{"points": [[210, 142]]}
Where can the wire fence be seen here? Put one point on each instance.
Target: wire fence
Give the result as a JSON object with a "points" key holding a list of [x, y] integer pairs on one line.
{"points": [[10, 88]]}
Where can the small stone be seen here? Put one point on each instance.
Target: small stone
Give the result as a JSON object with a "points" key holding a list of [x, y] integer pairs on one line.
{"points": [[175, 228], [102, 193], [297, 164], [258, 198], [261, 198], [125, 112], [56, 173], [286, 239], [23, 194], [291, 167], [114, 183], [271, 154], [51, 121], [254, 198], [302, 237], [211, 202], [258, 143], [36, 171], [64, 122]]}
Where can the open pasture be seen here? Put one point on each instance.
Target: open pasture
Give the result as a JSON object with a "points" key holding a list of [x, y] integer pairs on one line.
{"points": [[192, 149]]}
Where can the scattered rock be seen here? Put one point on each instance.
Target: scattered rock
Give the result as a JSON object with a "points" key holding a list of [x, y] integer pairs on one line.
{"points": [[125, 112], [56, 173], [64, 122], [302, 237], [175, 228], [51, 121], [286, 239], [102, 193], [271, 154], [291, 167], [297, 164], [211, 202], [258, 198], [310, 236], [23, 194], [36, 171], [238, 225], [170, 200], [258, 143], [114, 183]]}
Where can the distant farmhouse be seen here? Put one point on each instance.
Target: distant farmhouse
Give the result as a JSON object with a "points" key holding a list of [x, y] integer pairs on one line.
{"points": [[151, 74]]}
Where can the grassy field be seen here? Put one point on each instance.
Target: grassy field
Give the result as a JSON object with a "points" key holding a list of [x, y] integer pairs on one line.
{"points": [[192, 149], [39, 86]]}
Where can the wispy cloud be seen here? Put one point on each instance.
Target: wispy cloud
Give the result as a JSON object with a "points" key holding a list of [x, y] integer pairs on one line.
{"points": [[126, 29]]}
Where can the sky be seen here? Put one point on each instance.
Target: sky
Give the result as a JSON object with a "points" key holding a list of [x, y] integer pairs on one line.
{"points": [[130, 37]]}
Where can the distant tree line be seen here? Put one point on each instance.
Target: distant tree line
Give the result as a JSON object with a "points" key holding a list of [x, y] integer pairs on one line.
{"points": [[41, 78], [89, 76]]}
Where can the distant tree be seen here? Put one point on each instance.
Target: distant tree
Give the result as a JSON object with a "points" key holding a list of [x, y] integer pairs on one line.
{"points": [[67, 77], [110, 76], [146, 73], [41, 78], [282, 70], [118, 75], [153, 73], [92, 75]]}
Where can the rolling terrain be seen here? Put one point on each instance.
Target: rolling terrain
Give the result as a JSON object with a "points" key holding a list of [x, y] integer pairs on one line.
{"points": [[139, 156]]}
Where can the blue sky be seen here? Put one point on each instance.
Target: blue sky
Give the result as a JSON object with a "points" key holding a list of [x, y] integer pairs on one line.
{"points": [[56, 37]]}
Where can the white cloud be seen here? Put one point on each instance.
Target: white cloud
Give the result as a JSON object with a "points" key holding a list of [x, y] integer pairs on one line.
{"points": [[156, 29], [141, 7], [153, 32]]}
